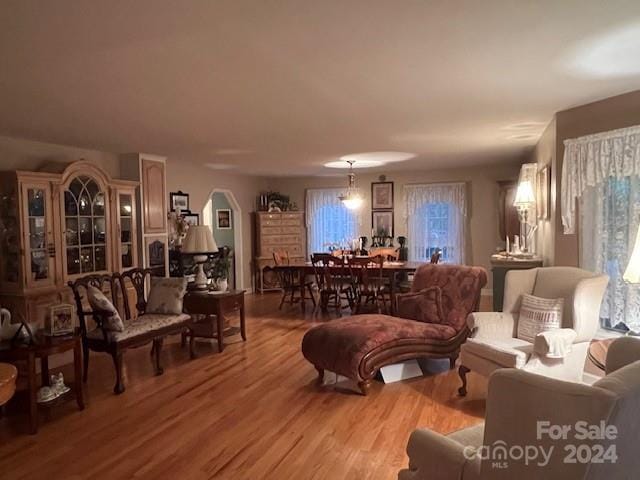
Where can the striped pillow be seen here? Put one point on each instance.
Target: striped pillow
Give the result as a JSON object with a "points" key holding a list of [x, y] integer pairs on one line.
{"points": [[538, 315]]}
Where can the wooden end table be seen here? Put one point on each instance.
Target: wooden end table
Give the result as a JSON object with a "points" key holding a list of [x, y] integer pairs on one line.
{"points": [[213, 306], [42, 347], [598, 352]]}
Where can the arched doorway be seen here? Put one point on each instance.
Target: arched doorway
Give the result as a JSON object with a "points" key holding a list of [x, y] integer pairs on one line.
{"points": [[226, 228]]}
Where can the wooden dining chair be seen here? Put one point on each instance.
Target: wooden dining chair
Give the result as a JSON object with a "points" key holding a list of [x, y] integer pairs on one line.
{"points": [[367, 284], [435, 258], [332, 285], [289, 279]]}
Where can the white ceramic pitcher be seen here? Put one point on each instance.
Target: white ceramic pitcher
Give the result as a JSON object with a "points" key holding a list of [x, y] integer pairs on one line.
{"points": [[7, 329]]}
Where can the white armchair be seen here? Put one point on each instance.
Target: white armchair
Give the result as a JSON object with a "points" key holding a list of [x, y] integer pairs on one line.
{"points": [[520, 408], [559, 353]]}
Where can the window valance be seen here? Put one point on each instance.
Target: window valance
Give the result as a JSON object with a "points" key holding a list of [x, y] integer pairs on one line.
{"points": [[453, 193], [590, 160]]}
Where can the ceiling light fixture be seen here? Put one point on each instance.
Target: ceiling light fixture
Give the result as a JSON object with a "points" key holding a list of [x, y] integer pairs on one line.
{"points": [[352, 198]]}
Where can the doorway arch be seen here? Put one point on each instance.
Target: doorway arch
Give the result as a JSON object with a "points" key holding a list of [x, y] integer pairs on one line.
{"points": [[208, 219]]}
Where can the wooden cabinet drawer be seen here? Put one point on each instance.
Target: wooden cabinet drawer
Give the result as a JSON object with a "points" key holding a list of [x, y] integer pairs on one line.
{"points": [[269, 222], [292, 230], [292, 221], [267, 250], [271, 230], [281, 239]]}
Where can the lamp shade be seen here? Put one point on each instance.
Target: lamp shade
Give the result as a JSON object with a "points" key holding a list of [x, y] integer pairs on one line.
{"points": [[524, 195], [199, 239], [632, 273]]}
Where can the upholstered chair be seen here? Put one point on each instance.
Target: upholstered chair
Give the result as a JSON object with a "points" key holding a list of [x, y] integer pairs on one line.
{"points": [[558, 353], [521, 407]]}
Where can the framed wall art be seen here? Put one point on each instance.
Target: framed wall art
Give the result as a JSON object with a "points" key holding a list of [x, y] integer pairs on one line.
{"points": [[382, 195], [223, 219], [179, 201], [191, 218], [382, 223]]}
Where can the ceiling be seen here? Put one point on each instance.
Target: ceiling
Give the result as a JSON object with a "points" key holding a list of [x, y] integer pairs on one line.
{"points": [[281, 87]]}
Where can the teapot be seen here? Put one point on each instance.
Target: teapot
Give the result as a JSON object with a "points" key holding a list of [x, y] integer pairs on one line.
{"points": [[7, 329]]}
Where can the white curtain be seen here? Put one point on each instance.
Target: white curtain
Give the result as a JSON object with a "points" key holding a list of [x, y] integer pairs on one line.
{"points": [[602, 172], [590, 160], [436, 218], [329, 222]]}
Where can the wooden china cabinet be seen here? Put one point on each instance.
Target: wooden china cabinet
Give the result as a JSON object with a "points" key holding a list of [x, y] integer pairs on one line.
{"points": [[58, 224]]}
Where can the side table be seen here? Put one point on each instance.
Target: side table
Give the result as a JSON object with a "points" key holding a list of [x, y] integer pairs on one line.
{"points": [[214, 305], [597, 352], [42, 347]]}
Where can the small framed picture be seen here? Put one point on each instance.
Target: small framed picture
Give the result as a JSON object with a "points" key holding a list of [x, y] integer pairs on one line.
{"points": [[191, 218], [382, 195], [543, 180], [382, 223], [179, 201], [223, 219], [61, 319]]}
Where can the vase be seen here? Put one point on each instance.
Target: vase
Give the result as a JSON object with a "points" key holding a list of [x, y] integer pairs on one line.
{"points": [[222, 284]]}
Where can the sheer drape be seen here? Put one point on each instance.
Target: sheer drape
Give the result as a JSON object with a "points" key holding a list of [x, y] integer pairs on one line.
{"points": [[610, 213], [436, 218], [329, 222], [602, 172], [593, 159]]}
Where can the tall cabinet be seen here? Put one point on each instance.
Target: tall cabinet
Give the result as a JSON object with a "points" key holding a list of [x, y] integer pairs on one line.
{"points": [[57, 225], [277, 231], [150, 171]]}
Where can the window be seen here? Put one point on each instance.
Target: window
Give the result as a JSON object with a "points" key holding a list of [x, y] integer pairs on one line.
{"points": [[329, 222], [610, 212], [436, 218]]}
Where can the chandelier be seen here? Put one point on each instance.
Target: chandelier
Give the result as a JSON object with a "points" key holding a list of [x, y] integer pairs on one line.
{"points": [[352, 199]]}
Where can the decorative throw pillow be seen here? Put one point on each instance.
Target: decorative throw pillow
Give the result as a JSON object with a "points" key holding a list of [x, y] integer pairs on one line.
{"points": [[538, 315], [166, 295], [98, 301], [423, 306]]}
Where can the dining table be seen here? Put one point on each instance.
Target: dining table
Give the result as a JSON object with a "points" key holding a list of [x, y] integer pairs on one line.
{"points": [[390, 269]]}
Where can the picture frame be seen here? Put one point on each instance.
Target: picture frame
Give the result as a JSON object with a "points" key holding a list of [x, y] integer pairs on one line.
{"points": [[382, 195], [191, 218], [382, 220], [179, 201], [61, 319], [543, 184], [223, 219]]}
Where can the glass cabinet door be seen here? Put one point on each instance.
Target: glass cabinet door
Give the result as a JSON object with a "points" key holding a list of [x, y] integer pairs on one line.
{"points": [[126, 228], [85, 223], [39, 247]]}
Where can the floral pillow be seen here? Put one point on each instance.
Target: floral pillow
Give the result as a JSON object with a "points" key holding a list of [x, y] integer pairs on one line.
{"points": [[166, 295], [99, 302], [423, 306]]}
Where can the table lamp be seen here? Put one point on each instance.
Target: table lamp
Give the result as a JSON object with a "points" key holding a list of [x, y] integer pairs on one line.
{"points": [[525, 199], [200, 242], [632, 273]]}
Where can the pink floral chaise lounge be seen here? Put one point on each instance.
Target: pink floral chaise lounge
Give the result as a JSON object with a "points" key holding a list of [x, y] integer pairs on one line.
{"points": [[433, 325]]}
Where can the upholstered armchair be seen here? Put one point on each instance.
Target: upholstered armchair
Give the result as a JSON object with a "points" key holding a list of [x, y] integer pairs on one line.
{"points": [[521, 407], [558, 353]]}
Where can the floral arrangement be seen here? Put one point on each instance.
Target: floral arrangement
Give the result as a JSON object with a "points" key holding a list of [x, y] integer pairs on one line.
{"points": [[179, 227]]}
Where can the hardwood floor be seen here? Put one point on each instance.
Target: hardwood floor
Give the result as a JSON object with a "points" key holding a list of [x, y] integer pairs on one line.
{"points": [[251, 412]]}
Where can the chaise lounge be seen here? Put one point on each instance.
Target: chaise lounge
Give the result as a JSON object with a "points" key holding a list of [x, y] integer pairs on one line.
{"points": [[431, 323]]}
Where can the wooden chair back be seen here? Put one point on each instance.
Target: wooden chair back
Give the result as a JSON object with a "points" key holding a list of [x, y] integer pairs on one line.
{"points": [[435, 258], [322, 263], [281, 257], [366, 274], [387, 253]]}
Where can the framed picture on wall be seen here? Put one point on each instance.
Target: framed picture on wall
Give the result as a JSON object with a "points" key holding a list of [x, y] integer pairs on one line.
{"points": [[191, 218], [382, 195], [543, 180], [179, 201], [382, 223], [223, 219]]}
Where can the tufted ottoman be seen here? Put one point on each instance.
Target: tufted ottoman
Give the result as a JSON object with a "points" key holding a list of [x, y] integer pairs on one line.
{"points": [[358, 346]]}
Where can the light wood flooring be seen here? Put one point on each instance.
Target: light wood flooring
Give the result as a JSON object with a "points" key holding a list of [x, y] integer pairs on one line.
{"points": [[252, 412]]}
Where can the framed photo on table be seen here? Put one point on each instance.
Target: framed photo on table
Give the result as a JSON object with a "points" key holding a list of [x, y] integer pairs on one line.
{"points": [[223, 219], [382, 222], [60, 320], [382, 195]]}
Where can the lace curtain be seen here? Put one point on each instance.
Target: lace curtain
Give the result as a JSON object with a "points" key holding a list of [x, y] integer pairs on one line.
{"points": [[590, 160], [436, 217], [329, 222], [602, 172]]}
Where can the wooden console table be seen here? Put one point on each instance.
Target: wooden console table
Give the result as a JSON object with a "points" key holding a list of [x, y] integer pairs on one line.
{"points": [[213, 306], [42, 348]]}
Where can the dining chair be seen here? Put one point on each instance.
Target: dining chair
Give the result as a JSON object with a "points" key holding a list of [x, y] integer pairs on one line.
{"points": [[435, 258], [290, 282], [367, 283], [332, 285]]}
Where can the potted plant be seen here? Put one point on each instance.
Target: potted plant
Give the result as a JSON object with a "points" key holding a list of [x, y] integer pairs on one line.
{"points": [[220, 272]]}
